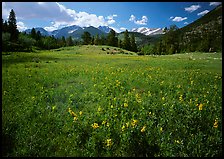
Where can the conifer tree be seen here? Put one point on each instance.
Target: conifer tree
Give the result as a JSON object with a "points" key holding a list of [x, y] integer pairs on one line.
{"points": [[133, 44], [86, 36], [12, 27], [126, 43]]}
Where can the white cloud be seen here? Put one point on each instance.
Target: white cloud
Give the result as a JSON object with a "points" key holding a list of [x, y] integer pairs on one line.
{"points": [[192, 8], [21, 26], [132, 18], [171, 17], [143, 21], [214, 3], [111, 19], [123, 29], [56, 13], [116, 29], [203, 12], [179, 19], [186, 23]]}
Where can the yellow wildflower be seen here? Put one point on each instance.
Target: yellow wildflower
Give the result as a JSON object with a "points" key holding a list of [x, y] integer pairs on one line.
{"points": [[143, 129], [181, 98], [73, 114], [163, 98], [216, 123], [95, 125], [112, 106], [150, 113], [109, 142], [80, 113], [125, 105], [123, 127], [104, 122], [75, 118], [161, 129], [108, 124], [53, 108], [99, 109], [200, 106], [177, 141], [70, 111], [134, 123], [127, 124]]}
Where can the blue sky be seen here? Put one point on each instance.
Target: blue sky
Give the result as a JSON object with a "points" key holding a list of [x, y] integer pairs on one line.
{"points": [[117, 15]]}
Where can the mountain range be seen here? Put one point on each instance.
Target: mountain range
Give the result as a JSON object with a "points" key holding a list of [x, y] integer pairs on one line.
{"points": [[148, 31], [77, 31]]}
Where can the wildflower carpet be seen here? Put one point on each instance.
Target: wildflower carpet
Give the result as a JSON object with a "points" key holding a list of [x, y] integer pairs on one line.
{"points": [[78, 102]]}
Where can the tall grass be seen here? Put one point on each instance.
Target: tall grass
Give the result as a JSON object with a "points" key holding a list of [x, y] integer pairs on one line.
{"points": [[59, 103]]}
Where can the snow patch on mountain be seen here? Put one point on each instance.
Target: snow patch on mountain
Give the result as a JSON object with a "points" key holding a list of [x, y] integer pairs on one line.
{"points": [[148, 31]]}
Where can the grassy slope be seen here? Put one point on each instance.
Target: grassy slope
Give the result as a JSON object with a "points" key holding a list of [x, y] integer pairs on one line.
{"points": [[38, 88]]}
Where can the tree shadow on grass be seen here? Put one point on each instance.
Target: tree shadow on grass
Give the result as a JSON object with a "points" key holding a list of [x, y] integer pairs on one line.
{"points": [[139, 146], [7, 144]]}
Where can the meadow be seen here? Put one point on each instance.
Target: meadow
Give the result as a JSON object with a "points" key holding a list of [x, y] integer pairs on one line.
{"points": [[102, 101]]}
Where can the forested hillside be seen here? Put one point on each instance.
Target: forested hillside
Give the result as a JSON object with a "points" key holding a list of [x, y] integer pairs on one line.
{"points": [[204, 34]]}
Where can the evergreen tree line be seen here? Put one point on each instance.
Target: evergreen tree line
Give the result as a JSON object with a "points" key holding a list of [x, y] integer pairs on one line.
{"points": [[174, 41], [127, 43]]}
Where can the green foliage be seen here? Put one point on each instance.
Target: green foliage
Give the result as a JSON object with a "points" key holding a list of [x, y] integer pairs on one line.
{"points": [[120, 105], [5, 41], [12, 27], [86, 37], [69, 41], [26, 42], [147, 50], [133, 44], [126, 42], [97, 40], [112, 39]]}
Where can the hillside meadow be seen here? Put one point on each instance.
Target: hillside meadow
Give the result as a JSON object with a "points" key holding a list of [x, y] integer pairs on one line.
{"points": [[105, 101]]}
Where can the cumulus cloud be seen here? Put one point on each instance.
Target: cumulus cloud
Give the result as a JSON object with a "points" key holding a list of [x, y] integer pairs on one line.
{"points": [[21, 26], [111, 19], [186, 23], [132, 18], [143, 21], [179, 19], [214, 3], [123, 29], [192, 8], [203, 12], [58, 14]]}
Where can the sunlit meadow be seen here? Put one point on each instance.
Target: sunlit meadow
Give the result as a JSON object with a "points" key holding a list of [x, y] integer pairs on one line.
{"points": [[89, 101]]}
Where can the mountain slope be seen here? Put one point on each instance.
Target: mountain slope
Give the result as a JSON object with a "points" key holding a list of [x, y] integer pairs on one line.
{"points": [[141, 39], [148, 31], [66, 31], [92, 30], [104, 29], [204, 34], [42, 31], [74, 31]]}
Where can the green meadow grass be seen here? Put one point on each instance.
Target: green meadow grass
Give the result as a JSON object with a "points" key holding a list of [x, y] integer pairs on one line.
{"points": [[89, 101]]}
